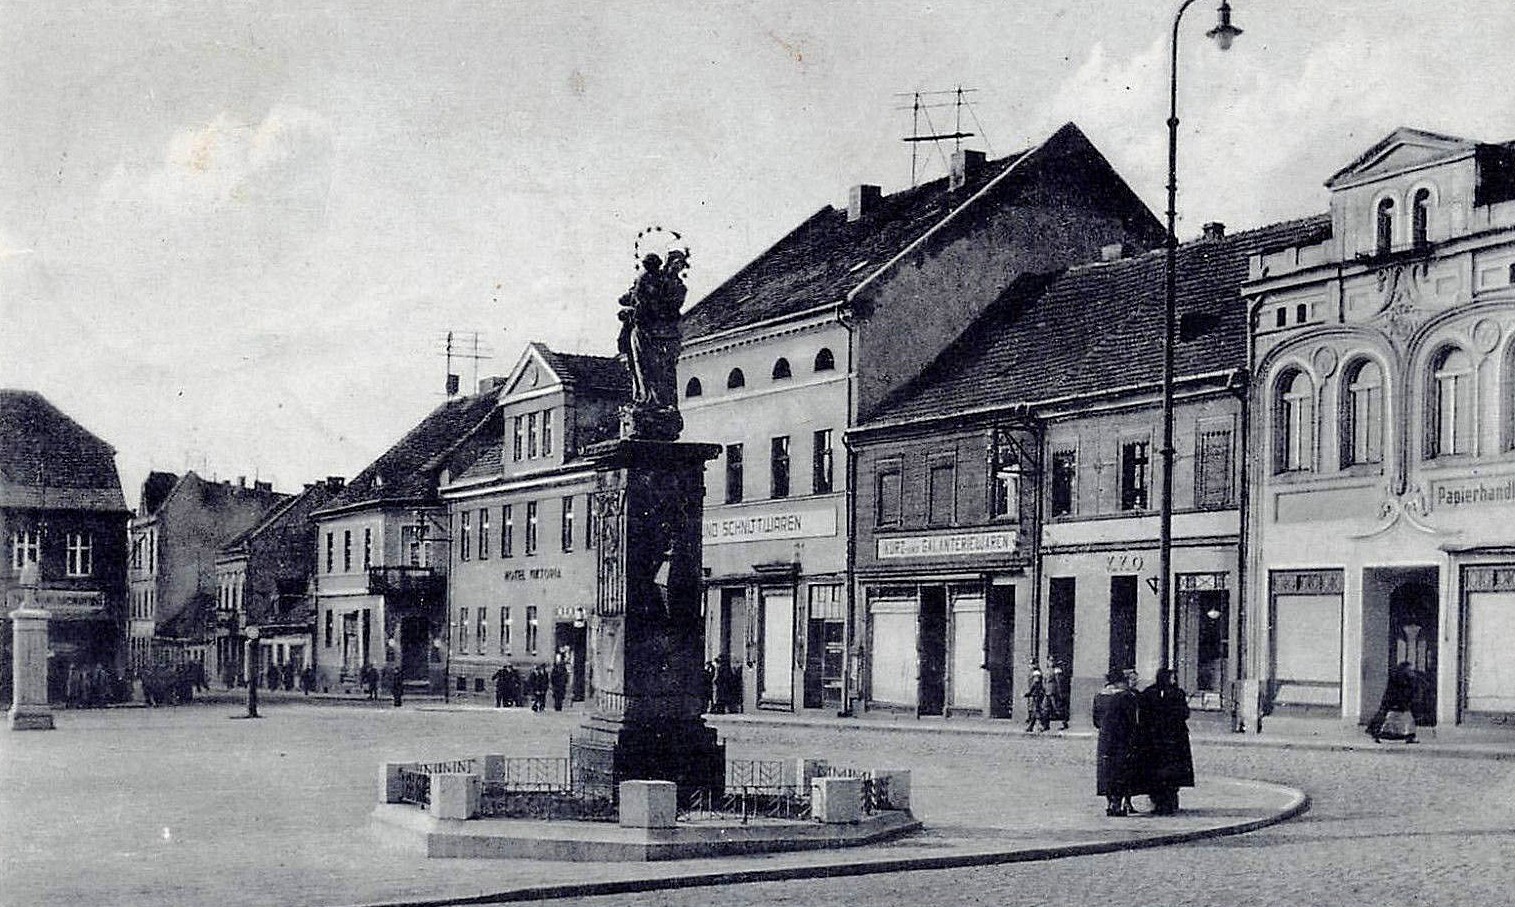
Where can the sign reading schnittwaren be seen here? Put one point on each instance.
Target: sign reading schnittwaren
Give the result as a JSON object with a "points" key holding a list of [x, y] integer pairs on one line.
{"points": [[959, 544], [762, 527]]}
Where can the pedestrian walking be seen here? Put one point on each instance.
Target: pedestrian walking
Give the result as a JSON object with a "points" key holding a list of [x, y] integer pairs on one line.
{"points": [[538, 688], [1167, 761], [308, 679], [558, 682], [1058, 694], [396, 686], [1395, 718], [369, 677], [1036, 700], [289, 675], [1115, 714], [501, 686]]}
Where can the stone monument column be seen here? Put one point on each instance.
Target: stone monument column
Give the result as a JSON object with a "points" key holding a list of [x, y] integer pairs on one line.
{"points": [[29, 709], [646, 633]]}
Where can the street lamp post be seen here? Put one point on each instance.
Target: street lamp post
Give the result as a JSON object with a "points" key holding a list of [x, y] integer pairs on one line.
{"points": [[252, 672], [1223, 34]]}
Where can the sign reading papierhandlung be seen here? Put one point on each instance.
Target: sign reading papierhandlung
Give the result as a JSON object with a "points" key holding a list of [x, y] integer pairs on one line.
{"points": [[1473, 493], [962, 543], [785, 524]]}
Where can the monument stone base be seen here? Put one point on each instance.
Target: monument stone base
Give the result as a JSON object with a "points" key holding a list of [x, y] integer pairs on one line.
{"points": [[605, 752]]}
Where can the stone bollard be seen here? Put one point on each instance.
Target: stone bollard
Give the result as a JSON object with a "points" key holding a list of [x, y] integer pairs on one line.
{"points": [[29, 708], [893, 787], [391, 785], [649, 804], [455, 795], [836, 801], [492, 767]]}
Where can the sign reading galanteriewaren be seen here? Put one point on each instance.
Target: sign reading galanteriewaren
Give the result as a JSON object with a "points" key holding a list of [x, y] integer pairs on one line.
{"points": [[956, 545]]}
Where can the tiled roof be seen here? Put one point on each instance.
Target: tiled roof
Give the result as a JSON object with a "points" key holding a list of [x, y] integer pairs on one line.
{"points": [[603, 373], [1098, 327], [295, 509], [48, 459], [488, 464], [407, 470], [825, 257]]}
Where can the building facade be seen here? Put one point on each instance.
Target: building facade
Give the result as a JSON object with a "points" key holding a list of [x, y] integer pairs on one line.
{"points": [[519, 506], [180, 526], [263, 579], [61, 508], [381, 558], [1384, 478], [814, 335]]}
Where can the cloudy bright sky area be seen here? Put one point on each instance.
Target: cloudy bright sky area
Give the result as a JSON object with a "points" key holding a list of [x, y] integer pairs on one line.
{"points": [[232, 235]]}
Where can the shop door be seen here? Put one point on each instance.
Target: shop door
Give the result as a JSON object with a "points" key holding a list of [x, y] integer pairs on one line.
{"points": [[572, 641], [823, 663], [999, 655], [1122, 622], [1413, 619], [1204, 619], [1060, 625], [932, 651], [776, 682], [415, 647]]}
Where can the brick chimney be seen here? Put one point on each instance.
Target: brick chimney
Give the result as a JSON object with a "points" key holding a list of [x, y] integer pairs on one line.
{"points": [[493, 382], [262, 486], [335, 483], [862, 201], [1215, 230], [965, 163]]}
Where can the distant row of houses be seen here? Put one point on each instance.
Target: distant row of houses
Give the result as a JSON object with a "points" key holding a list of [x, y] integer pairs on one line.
{"points": [[940, 462]]}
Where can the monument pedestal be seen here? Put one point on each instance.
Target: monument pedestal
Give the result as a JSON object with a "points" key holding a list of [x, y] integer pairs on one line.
{"points": [[647, 633], [29, 709]]}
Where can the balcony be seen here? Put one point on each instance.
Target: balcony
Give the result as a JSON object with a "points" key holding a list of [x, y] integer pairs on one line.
{"points": [[407, 582]]}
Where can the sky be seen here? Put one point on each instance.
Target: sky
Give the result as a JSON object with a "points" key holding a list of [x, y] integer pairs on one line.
{"points": [[233, 236]]}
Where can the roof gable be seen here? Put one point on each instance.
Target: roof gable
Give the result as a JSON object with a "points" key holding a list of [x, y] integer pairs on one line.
{"points": [[1401, 150], [48, 459], [532, 372]]}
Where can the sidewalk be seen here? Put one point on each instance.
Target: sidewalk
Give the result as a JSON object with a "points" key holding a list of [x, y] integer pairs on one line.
{"points": [[1205, 729], [181, 805]]}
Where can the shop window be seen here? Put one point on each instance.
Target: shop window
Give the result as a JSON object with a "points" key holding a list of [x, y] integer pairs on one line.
{"points": [[1363, 413], [1064, 489], [781, 369], [1135, 475], [779, 467], [1450, 428], [1294, 422], [734, 478], [693, 388], [824, 360]]}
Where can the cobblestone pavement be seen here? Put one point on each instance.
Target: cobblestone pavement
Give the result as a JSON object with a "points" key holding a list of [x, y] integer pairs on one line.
{"points": [[1389, 828], [184, 806]]}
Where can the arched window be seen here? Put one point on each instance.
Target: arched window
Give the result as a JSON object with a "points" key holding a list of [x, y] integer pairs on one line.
{"points": [[1294, 422], [825, 362], [1363, 413], [1450, 404], [1420, 216], [1385, 226], [736, 379], [781, 368], [693, 388]]}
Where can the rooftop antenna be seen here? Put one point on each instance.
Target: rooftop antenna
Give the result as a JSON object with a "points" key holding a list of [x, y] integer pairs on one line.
{"points": [[920, 107], [463, 345]]}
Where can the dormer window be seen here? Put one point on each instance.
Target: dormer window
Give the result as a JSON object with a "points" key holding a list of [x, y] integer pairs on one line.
{"points": [[1420, 215], [781, 369], [1385, 226]]}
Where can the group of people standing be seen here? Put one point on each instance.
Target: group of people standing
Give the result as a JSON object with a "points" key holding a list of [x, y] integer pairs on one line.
{"points": [[723, 686], [1047, 697], [512, 689], [1143, 742]]}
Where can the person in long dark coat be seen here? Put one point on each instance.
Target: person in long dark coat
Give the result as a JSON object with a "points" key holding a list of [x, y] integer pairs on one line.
{"points": [[1398, 696], [1115, 714], [558, 681], [1168, 760]]}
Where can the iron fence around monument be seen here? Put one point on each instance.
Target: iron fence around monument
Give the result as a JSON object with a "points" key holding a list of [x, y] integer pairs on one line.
{"points": [[415, 787], [542, 787]]}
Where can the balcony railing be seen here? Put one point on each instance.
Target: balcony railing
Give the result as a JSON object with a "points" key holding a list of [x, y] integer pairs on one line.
{"points": [[422, 582]]}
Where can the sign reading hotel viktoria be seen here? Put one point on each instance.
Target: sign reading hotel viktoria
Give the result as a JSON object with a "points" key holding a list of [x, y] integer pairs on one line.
{"points": [[533, 573], [784, 524], [962, 543], [1474, 492]]}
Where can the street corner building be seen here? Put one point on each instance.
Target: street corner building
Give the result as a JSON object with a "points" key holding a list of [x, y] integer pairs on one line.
{"points": [[62, 510], [810, 340], [382, 551], [1383, 487], [519, 498]]}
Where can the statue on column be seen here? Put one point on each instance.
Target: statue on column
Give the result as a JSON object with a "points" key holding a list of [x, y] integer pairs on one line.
{"points": [[650, 341]]}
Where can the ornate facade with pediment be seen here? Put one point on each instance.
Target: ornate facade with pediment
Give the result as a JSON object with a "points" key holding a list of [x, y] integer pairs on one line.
{"points": [[1383, 427]]}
